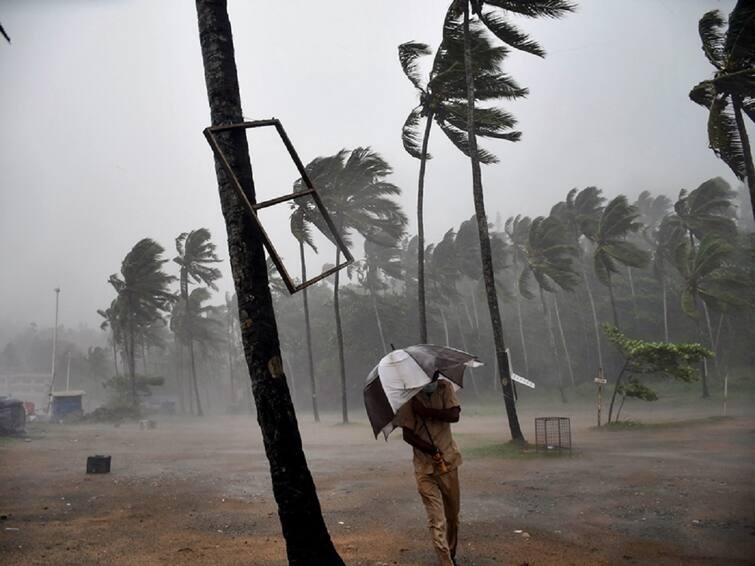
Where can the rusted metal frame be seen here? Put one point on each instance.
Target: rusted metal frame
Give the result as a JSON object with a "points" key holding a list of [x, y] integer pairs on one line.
{"points": [[253, 207]]}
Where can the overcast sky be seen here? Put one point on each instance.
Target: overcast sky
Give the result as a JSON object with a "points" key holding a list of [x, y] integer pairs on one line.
{"points": [[104, 102]]}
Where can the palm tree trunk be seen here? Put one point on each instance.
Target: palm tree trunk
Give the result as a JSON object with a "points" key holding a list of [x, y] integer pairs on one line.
{"points": [[115, 354], [445, 326], [422, 307], [665, 310], [307, 538], [229, 340], [749, 167], [131, 353], [616, 390], [464, 345], [339, 339], [194, 376], [563, 339], [521, 333], [179, 377], [710, 335], [613, 302], [552, 340], [488, 272], [308, 330], [379, 322], [633, 295], [594, 312]]}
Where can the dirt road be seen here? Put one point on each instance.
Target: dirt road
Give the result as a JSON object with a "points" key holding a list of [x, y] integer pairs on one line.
{"points": [[196, 491]]}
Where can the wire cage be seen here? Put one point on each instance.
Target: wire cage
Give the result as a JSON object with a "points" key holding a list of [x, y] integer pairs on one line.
{"points": [[552, 434]]}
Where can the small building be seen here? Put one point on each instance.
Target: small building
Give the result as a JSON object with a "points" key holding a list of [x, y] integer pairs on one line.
{"points": [[12, 417], [67, 403]]}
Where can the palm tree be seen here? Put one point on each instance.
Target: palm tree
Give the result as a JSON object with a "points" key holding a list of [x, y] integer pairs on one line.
{"points": [[196, 254], [300, 228], [707, 283], [353, 188], [142, 295], [307, 538], [441, 97], [110, 315], [580, 213], [706, 210], [619, 219], [663, 240], [730, 92], [517, 231], [548, 259], [380, 261]]}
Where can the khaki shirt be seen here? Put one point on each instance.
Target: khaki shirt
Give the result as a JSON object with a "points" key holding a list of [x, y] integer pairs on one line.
{"points": [[440, 431]]}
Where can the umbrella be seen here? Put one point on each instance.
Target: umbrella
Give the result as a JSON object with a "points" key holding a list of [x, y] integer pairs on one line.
{"points": [[403, 373]]}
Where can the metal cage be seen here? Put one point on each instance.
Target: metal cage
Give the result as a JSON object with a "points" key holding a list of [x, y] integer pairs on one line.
{"points": [[552, 434]]}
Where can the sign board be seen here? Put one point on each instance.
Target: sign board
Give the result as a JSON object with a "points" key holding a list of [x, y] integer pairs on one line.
{"points": [[523, 381], [600, 380]]}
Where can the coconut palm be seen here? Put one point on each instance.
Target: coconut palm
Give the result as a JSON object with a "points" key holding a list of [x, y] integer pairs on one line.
{"points": [[353, 189], [517, 231], [549, 257], [110, 316], [731, 51], [305, 532], [380, 261], [196, 256], [663, 240], [707, 283], [441, 101], [580, 213], [142, 295], [612, 249], [706, 210]]}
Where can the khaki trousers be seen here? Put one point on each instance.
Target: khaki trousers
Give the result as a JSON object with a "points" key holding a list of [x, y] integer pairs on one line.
{"points": [[440, 495]]}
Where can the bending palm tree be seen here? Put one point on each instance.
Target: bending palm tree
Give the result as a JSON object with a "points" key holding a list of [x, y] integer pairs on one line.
{"points": [[196, 253], [353, 188], [143, 294], [730, 92], [441, 101], [477, 89], [612, 248], [549, 260], [580, 213], [110, 315], [305, 532]]}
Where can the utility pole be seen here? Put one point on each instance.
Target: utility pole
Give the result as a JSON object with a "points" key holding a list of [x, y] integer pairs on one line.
{"points": [[54, 347], [68, 372]]}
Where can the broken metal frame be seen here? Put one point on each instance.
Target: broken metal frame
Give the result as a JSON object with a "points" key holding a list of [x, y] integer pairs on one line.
{"points": [[252, 208]]}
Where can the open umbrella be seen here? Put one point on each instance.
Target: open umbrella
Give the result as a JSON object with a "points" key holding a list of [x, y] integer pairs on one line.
{"points": [[403, 373]]}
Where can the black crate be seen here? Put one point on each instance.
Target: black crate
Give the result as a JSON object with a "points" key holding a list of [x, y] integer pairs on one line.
{"points": [[552, 434], [98, 465]]}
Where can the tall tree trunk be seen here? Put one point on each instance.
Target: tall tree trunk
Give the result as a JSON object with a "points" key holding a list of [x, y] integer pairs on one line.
{"points": [[616, 390], [229, 340], [665, 309], [594, 312], [132, 353], [308, 330], [339, 339], [115, 354], [521, 322], [422, 307], [445, 326], [464, 345], [552, 340], [710, 335], [194, 376], [378, 321], [485, 251], [307, 538], [613, 302], [746, 150], [179, 377], [563, 339], [634, 298]]}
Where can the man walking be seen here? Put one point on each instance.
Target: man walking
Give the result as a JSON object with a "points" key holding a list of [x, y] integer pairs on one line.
{"points": [[426, 423]]}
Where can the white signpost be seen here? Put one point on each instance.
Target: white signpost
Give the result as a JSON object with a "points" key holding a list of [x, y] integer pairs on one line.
{"points": [[601, 381], [518, 378]]}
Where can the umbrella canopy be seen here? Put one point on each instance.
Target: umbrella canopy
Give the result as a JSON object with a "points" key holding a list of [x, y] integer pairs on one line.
{"points": [[403, 373]]}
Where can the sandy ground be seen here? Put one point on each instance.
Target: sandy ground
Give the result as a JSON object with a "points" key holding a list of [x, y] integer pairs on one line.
{"points": [[196, 491]]}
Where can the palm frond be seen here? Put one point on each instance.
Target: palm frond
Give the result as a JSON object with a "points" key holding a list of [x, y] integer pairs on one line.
{"points": [[739, 45], [411, 134], [535, 8], [711, 32], [724, 138], [510, 34], [409, 54]]}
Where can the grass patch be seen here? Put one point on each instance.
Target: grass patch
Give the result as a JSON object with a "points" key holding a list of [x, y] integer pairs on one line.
{"points": [[637, 425]]}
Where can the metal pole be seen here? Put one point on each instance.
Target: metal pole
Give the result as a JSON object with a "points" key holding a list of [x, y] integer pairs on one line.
{"points": [[726, 391], [54, 348]]}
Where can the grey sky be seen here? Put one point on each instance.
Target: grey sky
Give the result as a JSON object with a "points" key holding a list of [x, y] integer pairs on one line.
{"points": [[103, 105]]}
